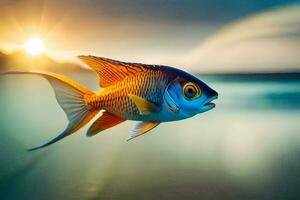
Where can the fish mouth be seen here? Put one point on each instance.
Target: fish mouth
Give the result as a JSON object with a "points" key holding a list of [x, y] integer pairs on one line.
{"points": [[209, 104]]}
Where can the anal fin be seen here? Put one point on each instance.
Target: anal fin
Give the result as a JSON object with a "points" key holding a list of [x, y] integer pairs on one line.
{"points": [[107, 120], [141, 128]]}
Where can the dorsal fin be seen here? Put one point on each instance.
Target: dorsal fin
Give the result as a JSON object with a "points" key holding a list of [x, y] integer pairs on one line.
{"points": [[112, 71]]}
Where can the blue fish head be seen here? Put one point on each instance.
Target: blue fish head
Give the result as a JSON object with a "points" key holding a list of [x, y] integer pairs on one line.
{"points": [[189, 95]]}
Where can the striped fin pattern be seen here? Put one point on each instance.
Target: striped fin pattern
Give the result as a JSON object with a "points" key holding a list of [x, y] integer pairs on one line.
{"points": [[71, 97], [106, 121], [111, 71], [141, 128]]}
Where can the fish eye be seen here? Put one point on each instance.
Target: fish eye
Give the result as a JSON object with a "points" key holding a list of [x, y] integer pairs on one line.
{"points": [[191, 90]]}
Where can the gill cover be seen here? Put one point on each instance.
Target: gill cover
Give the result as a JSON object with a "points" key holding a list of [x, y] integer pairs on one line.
{"points": [[170, 96]]}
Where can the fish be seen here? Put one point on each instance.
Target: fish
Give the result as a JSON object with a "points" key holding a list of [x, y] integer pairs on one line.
{"points": [[148, 94]]}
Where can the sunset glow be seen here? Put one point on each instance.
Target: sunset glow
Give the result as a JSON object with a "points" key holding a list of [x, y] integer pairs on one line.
{"points": [[34, 46]]}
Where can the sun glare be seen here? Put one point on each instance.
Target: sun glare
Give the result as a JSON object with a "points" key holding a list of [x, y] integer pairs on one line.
{"points": [[34, 46]]}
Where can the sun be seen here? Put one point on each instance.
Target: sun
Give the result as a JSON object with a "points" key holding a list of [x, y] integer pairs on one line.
{"points": [[34, 46]]}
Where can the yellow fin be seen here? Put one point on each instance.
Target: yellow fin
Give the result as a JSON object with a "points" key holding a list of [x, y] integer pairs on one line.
{"points": [[112, 71], [71, 97], [107, 120], [144, 106], [141, 128]]}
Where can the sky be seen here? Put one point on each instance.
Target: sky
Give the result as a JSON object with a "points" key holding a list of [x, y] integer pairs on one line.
{"points": [[203, 35]]}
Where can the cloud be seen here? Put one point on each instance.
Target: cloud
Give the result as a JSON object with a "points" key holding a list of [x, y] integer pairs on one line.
{"points": [[187, 11], [264, 42]]}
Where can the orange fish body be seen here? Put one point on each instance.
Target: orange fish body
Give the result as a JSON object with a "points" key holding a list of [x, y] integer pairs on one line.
{"points": [[116, 98], [149, 94]]}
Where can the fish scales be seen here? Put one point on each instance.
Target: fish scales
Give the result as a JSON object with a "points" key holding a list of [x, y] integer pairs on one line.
{"points": [[148, 85]]}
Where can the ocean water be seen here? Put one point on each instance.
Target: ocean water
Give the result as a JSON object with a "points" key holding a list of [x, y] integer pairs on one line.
{"points": [[248, 147]]}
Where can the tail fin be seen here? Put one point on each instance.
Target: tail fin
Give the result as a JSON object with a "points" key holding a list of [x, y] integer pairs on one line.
{"points": [[70, 96]]}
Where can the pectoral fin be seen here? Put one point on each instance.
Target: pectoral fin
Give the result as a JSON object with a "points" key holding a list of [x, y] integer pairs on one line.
{"points": [[141, 128], [144, 106]]}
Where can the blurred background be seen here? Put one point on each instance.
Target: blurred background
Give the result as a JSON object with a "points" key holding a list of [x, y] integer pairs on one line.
{"points": [[248, 147]]}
